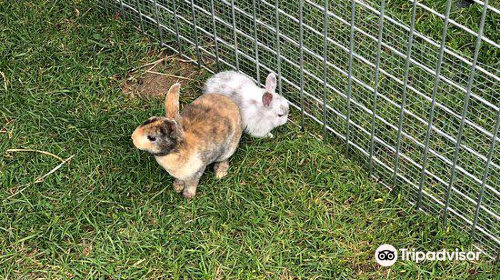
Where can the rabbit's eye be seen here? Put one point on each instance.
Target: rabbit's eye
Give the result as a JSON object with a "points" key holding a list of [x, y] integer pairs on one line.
{"points": [[280, 115], [151, 138]]}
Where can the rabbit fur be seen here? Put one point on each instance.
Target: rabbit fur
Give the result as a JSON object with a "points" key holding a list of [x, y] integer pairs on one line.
{"points": [[262, 109], [207, 131]]}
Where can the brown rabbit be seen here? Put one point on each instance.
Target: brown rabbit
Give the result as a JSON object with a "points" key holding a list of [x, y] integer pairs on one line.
{"points": [[207, 131]]}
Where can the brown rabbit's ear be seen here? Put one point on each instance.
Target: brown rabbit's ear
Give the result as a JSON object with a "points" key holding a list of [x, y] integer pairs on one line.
{"points": [[169, 128], [172, 102], [267, 98]]}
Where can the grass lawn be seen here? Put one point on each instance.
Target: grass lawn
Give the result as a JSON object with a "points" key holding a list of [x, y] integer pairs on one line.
{"points": [[291, 207]]}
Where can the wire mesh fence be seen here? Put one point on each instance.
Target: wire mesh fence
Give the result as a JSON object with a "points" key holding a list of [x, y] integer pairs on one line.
{"points": [[410, 86]]}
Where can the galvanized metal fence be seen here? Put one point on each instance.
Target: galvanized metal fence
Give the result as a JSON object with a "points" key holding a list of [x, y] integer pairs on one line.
{"points": [[410, 86]]}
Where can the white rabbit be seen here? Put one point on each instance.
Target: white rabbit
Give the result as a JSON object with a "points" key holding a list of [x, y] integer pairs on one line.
{"points": [[262, 109]]}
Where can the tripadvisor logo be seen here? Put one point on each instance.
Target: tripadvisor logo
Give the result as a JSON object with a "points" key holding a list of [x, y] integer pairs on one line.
{"points": [[387, 255]]}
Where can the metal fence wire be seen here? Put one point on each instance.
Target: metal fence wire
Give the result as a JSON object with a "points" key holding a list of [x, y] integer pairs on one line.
{"points": [[410, 86]]}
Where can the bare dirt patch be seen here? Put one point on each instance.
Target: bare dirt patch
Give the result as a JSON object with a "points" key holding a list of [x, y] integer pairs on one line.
{"points": [[153, 79]]}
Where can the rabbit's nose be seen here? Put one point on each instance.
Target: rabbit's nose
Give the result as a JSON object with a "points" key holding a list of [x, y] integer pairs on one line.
{"points": [[134, 134], [134, 138]]}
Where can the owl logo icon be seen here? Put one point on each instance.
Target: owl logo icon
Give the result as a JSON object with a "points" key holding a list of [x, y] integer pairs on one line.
{"points": [[386, 255]]}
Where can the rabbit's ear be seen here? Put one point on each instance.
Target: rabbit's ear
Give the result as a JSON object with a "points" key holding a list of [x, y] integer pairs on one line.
{"points": [[267, 98], [172, 102], [271, 83], [169, 128]]}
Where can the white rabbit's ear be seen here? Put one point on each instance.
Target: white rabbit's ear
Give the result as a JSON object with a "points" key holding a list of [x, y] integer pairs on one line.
{"points": [[267, 98], [172, 102], [271, 83]]}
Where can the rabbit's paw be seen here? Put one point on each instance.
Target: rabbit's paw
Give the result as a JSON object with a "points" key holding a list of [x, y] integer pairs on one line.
{"points": [[220, 169], [178, 186], [189, 193]]}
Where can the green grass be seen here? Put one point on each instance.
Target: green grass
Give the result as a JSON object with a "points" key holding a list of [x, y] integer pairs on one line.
{"points": [[292, 207]]}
